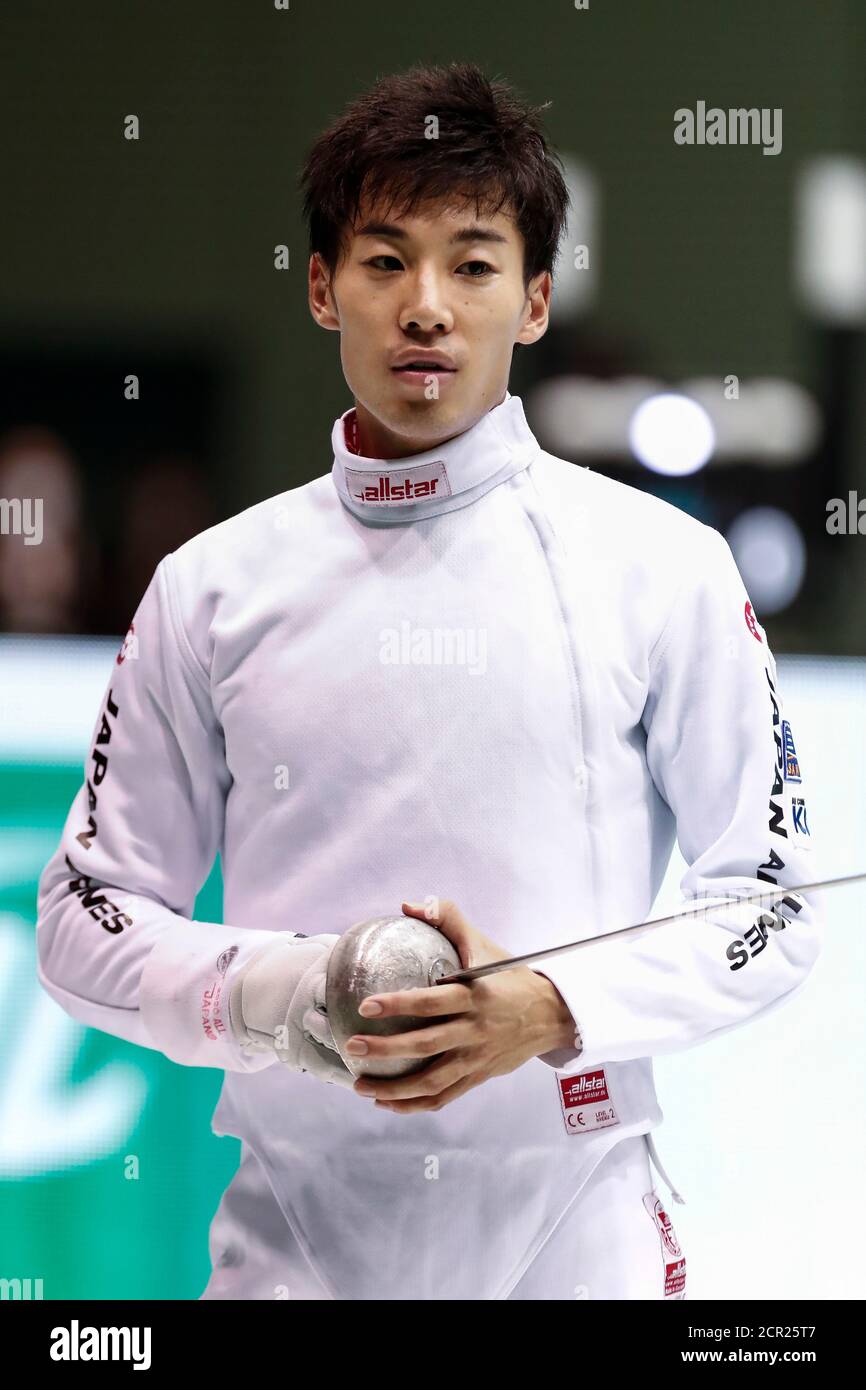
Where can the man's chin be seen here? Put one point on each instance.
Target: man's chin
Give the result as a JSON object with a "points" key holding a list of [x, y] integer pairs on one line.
{"points": [[419, 424]]}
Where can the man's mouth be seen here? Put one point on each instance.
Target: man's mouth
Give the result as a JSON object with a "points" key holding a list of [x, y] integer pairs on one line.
{"points": [[422, 368]]}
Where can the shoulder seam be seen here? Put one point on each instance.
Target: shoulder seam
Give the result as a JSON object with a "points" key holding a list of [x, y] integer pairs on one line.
{"points": [[184, 645], [661, 643]]}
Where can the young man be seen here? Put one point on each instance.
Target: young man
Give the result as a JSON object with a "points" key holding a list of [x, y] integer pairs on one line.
{"points": [[453, 664]]}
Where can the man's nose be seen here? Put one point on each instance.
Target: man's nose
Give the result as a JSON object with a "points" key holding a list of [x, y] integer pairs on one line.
{"points": [[425, 308]]}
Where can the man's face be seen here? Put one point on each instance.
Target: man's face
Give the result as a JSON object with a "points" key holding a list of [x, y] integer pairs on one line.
{"points": [[440, 281]]}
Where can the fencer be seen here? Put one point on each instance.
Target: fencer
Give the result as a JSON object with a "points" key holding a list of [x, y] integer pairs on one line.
{"points": [[457, 677]]}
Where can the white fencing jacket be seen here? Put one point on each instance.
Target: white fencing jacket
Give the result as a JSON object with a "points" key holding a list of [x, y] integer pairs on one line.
{"points": [[483, 673]]}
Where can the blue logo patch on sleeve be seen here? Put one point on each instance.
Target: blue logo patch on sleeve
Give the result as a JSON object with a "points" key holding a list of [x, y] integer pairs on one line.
{"points": [[798, 815], [792, 762]]}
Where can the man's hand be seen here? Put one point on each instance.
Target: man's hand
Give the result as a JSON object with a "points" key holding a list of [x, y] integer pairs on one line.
{"points": [[495, 1024], [277, 1004]]}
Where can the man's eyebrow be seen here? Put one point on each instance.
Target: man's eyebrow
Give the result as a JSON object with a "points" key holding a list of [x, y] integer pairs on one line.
{"points": [[474, 232]]}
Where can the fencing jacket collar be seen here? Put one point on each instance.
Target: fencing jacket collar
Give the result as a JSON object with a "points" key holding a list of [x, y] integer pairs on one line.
{"points": [[394, 491]]}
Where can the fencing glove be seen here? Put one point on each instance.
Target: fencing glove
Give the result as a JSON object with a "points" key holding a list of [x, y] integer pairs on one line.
{"points": [[277, 1004]]}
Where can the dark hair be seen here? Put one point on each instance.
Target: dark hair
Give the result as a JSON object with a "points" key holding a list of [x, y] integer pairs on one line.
{"points": [[490, 148]]}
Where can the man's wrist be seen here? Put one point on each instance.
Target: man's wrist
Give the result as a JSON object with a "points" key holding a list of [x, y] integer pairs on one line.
{"points": [[560, 1030]]}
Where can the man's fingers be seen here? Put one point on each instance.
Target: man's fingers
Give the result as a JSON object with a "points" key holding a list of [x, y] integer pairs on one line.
{"points": [[416, 1042], [473, 947], [447, 917], [430, 1081], [436, 911], [419, 1003], [408, 1107]]}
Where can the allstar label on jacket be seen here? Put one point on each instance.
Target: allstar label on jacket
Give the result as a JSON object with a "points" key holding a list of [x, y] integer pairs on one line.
{"points": [[586, 1102], [673, 1259], [398, 485]]}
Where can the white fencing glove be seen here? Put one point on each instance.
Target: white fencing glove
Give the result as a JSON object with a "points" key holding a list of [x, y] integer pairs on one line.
{"points": [[277, 1004]]}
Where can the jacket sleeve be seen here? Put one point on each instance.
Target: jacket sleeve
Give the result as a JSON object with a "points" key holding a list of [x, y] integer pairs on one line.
{"points": [[116, 946], [723, 757]]}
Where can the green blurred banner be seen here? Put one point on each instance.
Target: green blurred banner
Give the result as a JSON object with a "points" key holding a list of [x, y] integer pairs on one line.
{"points": [[109, 1172]]}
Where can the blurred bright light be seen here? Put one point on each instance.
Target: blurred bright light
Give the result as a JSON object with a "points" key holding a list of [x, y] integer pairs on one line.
{"points": [[772, 421], [830, 241], [36, 725], [671, 434], [588, 416], [770, 552]]}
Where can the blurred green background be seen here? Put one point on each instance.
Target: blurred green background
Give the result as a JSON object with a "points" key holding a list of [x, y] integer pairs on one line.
{"points": [[91, 1212]]}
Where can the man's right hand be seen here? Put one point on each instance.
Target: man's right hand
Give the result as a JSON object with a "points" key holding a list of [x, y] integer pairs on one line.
{"points": [[277, 1004]]}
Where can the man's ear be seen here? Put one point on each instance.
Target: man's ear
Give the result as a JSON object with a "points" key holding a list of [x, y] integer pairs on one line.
{"points": [[537, 311], [323, 304]]}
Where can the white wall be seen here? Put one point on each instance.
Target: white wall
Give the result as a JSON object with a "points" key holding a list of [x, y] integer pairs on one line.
{"points": [[765, 1128]]}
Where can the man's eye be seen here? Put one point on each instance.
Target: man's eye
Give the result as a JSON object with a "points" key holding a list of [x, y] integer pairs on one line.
{"points": [[482, 267]]}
